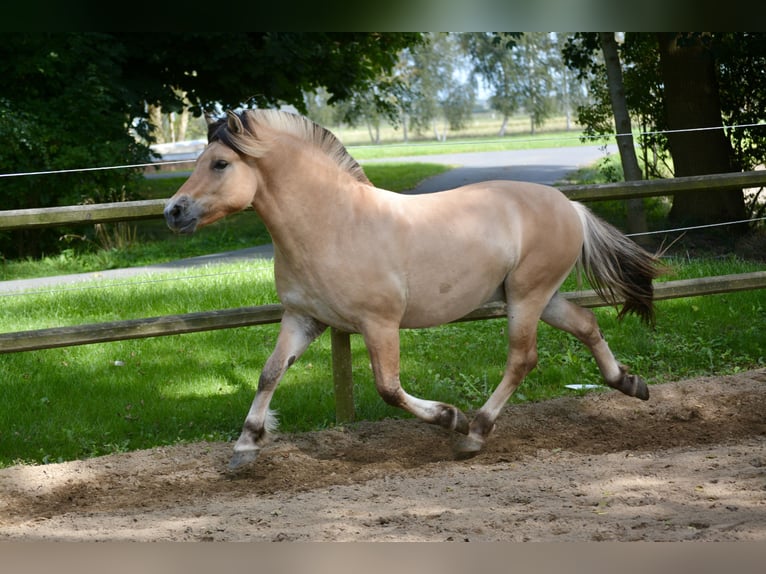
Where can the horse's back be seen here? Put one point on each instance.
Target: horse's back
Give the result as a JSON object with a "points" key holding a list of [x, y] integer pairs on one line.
{"points": [[499, 195], [466, 242]]}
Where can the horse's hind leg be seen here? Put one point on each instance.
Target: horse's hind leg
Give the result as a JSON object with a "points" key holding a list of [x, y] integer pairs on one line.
{"points": [[295, 335], [522, 358], [383, 346], [581, 323]]}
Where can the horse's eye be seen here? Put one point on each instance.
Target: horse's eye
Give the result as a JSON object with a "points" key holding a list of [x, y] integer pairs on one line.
{"points": [[220, 164]]}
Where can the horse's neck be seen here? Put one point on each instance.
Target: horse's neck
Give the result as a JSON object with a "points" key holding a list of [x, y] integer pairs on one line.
{"points": [[304, 197]]}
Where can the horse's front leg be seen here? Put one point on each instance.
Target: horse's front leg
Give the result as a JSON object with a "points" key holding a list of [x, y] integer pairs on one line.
{"points": [[295, 335], [382, 342]]}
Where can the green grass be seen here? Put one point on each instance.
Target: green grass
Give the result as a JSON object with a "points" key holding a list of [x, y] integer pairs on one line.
{"points": [[465, 145], [63, 404], [76, 402]]}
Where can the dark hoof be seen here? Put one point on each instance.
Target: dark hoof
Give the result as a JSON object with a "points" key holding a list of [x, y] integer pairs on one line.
{"points": [[633, 386], [242, 458], [465, 447], [452, 418], [636, 387]]}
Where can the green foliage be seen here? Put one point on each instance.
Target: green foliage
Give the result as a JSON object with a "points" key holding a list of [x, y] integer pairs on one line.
{"points": [[522, 71], [739, 61], [259, 69], [642, 88], [72, 101], [61, 107], [430, 92], [743, 98]]}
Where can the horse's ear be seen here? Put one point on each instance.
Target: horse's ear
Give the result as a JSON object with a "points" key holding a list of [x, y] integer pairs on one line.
{"points": [[234, 123]]}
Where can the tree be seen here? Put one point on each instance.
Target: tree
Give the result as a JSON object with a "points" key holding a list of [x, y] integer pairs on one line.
{"points": [[492, 58], [639, 63], [536, 57], [255, 69], [433, 90], [692, 101], [743, 101], [672, 82], [76, 100], [62, 106], [570, 91], [519, 69], [630, 167]]}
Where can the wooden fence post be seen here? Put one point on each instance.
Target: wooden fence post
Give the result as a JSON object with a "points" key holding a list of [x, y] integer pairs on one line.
{"points": [[341, 375]]}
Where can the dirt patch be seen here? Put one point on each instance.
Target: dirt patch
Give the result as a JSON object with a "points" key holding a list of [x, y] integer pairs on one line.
{"points": [[689, 464]]}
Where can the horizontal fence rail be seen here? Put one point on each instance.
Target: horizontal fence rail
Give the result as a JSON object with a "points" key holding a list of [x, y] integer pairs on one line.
{"points": [[658, 187], [340, 341], [341, 354], [152, 208], [79, 214], [38, 339]]}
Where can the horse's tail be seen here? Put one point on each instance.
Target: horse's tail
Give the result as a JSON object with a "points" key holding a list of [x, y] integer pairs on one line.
{"points": [[618, 269]]}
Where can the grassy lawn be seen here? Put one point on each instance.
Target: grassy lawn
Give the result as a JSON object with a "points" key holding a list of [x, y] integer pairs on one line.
{"points": [[62, 404], [69, 403], [465, 145]]}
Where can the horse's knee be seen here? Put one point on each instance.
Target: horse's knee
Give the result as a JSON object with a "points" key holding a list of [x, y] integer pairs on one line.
{"points": [[531, 359]]}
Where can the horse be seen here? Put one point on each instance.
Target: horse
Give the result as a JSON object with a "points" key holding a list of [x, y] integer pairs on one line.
{"points": [[370, 261]]}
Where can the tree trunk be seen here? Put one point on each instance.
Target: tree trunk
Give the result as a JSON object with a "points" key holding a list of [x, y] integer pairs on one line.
{"points": [[503, 126], [374, 131], [155, 120], [630, 167], [183, 124], [692, 101]]}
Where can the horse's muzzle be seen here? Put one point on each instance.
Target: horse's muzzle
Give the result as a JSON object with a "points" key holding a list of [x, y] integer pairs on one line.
{"points": [[180, 215]]}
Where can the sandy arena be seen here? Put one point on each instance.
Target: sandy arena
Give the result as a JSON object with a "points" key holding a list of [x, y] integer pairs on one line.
{"points": [[687, 465]]}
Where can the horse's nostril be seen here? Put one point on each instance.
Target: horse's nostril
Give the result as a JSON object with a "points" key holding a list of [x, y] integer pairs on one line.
{"points": [[173, 211]]}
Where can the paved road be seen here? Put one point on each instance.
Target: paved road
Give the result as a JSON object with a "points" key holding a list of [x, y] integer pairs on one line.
{"points": [[545, 166]]}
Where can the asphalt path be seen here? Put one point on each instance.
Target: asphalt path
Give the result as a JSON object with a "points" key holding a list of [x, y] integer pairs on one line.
{"points": [[546, 166]]}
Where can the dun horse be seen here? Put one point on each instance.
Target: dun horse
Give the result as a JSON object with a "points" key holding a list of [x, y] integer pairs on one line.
{"points": [[369, 261]]}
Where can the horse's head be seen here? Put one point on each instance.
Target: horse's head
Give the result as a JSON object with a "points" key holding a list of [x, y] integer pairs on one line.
{"points": [[224, 181]]}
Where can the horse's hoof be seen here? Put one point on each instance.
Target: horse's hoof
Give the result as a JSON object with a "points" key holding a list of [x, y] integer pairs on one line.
{"points": [[634, 386], [452, 418], [461, 422], [466, 446], [631, 385], [242, 458], [642, 390]]}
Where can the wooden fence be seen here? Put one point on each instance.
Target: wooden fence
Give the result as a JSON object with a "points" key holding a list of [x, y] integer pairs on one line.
{"points": [[340, 341]]}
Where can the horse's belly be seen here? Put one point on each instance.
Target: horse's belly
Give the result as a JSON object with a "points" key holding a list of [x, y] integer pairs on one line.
{"points": [[447, 303]]}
